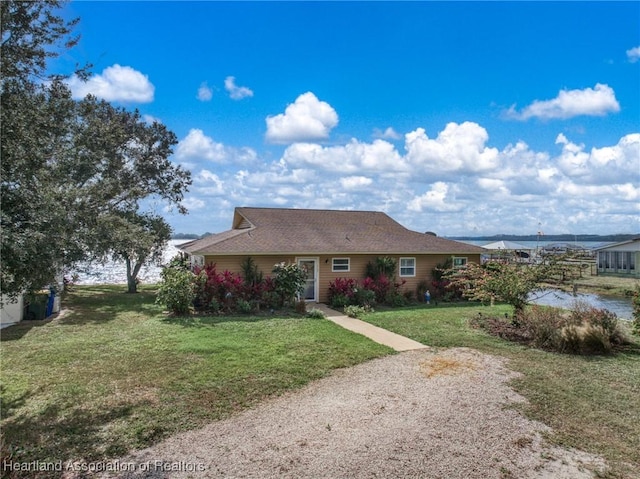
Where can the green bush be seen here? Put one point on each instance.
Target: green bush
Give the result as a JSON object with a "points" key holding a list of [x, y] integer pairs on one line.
{"points": [[339, 301], [315, 313], [243, 306], [176, 291], [357, 311], [289, 281]]}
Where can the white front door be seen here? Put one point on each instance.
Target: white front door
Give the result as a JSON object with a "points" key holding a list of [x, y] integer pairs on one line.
{"points": [[310, 265]]}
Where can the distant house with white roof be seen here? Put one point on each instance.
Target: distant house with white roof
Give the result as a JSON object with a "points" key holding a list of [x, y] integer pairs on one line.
{"points": [[619, 259]]}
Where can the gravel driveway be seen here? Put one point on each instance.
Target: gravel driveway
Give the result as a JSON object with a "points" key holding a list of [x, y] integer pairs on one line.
{"points": [[418, 414]]}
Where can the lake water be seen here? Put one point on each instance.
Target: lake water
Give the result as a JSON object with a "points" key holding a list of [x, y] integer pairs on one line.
{"points": [[115, 272], [560, 299]]}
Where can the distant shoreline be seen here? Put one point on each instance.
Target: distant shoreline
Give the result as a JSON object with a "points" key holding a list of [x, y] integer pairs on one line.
{"points": [[568, 238], [614, 238]]}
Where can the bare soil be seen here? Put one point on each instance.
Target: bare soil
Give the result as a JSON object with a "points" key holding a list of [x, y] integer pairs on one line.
{"points": [[418, 414]]}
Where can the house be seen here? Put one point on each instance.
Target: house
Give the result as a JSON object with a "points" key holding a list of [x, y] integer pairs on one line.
{"points": [[619, 259], [329, 244]]}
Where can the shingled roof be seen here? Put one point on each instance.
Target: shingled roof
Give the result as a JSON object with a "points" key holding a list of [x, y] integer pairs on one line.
{"points": [[298, 231]]}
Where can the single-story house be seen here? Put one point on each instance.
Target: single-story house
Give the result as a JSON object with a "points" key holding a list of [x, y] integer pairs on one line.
{"points": [[619, 259], [329, 244]]}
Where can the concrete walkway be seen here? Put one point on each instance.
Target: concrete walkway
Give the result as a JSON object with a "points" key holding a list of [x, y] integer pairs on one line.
{"points": [[379, 335]]}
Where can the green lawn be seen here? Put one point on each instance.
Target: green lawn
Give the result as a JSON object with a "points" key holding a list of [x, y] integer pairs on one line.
{"points": [[592, 403], [116, 373]]}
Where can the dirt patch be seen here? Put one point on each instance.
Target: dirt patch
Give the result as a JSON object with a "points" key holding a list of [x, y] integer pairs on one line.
{"points": [[421, 413]]}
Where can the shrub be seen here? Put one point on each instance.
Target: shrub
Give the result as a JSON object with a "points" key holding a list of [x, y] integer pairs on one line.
{"points": [[315, 313], [356, 311], [585, 330], [365, 297], [243, 306], [603, 319], [636, 310], [342, 291], [176, 291], [339, 301], [288, 281], [301, 306]]}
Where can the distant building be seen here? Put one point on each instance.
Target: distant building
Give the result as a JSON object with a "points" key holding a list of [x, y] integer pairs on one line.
{"points": [[619, 259]]}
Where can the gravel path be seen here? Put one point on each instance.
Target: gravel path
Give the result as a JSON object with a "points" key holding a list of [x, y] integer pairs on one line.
{"points": [[418, 414]]}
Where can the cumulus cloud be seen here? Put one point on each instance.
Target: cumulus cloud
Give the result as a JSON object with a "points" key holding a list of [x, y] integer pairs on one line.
{"points": [[459, 147], [606, 165], [633, 54], [455, 183], [307, 119], [236, 92], [115, 83], [355, 182], [204, 92], [197, 146], [388, 134], [597, 101], [192, 203], [436, 199], [355, 156]]}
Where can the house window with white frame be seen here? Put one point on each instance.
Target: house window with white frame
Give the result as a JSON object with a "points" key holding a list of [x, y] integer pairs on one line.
{"points": [[407, 267], [339, 265], [459, 261]]}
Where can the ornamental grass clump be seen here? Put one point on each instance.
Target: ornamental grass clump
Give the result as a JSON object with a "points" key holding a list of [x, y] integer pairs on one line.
{"points": [[584, 330]]}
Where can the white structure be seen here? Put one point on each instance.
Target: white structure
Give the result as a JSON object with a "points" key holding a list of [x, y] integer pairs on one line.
{"points": [[11, 311], [620, 259]]}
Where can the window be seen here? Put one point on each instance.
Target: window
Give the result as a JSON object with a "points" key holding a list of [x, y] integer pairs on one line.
{"points": [[459, 262], [197, 260], [340, 264], [407, 267]]}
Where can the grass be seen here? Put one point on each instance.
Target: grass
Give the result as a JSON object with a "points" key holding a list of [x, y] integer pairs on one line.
{"points": [[116, 374], [592, 403]]}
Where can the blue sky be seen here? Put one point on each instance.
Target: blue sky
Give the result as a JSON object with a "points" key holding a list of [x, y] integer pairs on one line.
{"points": [[458, 118]]}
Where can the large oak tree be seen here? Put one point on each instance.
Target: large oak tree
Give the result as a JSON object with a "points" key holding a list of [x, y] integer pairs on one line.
{"points": [[75, 175]]}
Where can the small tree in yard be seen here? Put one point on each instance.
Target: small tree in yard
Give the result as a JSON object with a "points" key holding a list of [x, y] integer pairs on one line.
{"points": [[289, 281], [495, 281]]}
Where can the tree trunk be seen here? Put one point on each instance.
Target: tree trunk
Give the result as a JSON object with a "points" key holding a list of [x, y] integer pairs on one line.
{"points": [[132, 276]]}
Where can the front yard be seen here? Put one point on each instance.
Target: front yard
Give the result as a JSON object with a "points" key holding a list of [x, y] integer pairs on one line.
{"points": [[591, 402], [115, 373]]}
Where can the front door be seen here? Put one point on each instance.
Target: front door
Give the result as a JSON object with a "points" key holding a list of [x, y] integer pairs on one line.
{"points": [[310, 266]]}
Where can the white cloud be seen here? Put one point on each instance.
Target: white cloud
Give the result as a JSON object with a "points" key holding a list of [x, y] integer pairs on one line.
{"points": [[606, 165], [459, 147], [388, 134], [633, 54], [204, 92], [355, 182], [437, 199], [115, 83], [193, 203], [597, 101], [453, 184], [197, 146], [307, 119], [379, 156], [236, 92]]}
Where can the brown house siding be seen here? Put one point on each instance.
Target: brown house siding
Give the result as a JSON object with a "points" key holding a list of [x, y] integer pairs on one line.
{"points": [[425, 263]]}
